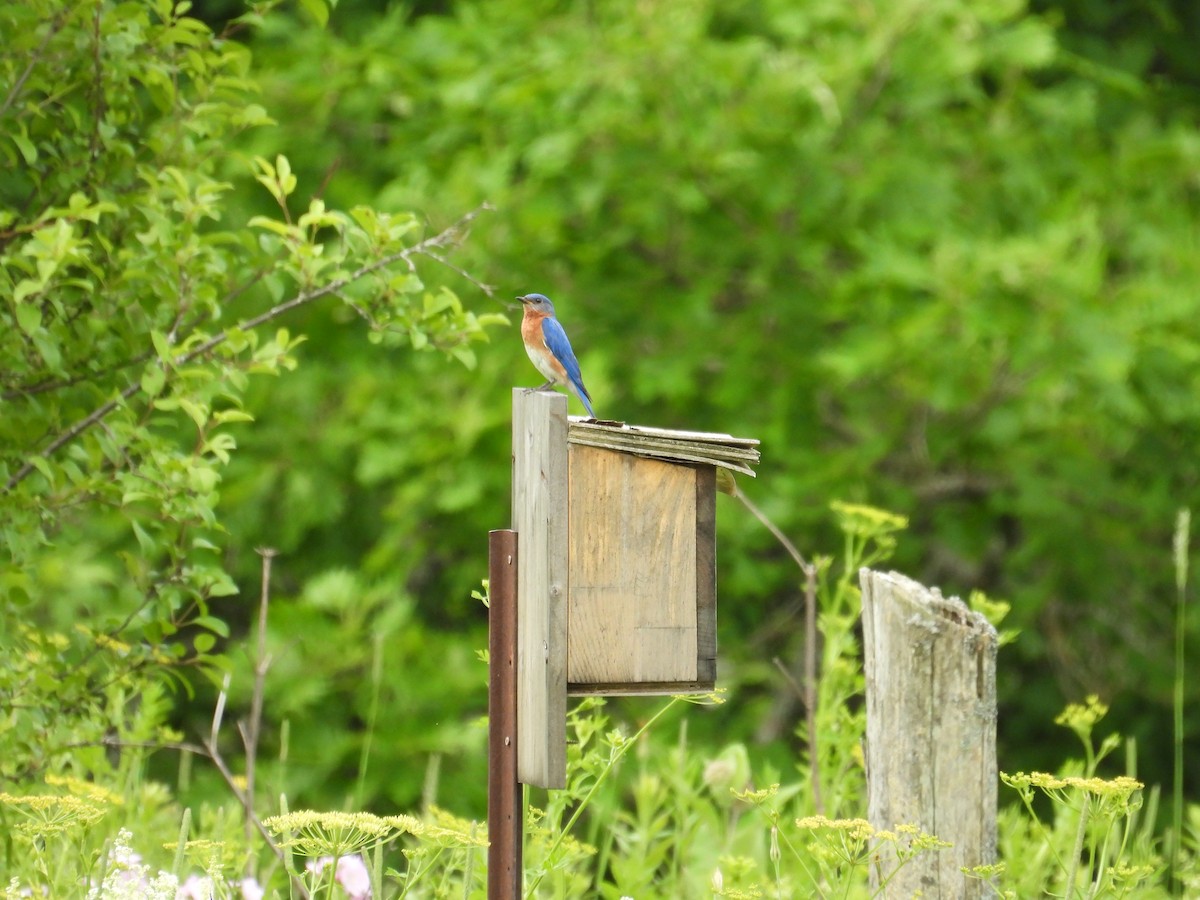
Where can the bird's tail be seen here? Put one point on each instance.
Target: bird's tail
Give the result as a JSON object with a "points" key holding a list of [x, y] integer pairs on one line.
{"points": [[581, 392]]}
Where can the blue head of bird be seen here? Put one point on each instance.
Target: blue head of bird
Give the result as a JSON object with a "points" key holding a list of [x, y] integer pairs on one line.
{"points": [[539, 303]]}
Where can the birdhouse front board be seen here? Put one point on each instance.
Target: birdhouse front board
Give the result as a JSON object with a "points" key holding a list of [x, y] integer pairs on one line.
{"points": [[641, 593]]}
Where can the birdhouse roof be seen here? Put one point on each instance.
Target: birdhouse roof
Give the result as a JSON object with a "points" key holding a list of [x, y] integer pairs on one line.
{"points": [[692, 447]]}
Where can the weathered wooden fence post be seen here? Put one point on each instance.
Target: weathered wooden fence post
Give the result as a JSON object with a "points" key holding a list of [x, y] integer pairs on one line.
{"points": [[930, 667]]}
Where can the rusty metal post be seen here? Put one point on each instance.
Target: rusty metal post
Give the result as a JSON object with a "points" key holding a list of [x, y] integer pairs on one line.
{"points": [[505, 819]]}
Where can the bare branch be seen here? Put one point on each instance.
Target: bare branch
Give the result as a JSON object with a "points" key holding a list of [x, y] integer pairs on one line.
{"points": [[244, 797], [231, 783]]}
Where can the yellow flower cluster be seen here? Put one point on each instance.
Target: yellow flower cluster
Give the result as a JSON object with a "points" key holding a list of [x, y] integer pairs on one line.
{"points": [[86, 789], [1111, 796], [856, 829], [862, 830], [315, 834], [47, 814], [857, 518], [1081, 717], [1121, 787], [329, 833]]}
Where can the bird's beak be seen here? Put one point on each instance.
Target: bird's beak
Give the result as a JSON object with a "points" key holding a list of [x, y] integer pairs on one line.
{"points": [[523, 299]]}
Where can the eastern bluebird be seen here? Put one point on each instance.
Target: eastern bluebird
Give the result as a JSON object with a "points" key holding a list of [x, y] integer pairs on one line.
{"points": [[548, 348]]}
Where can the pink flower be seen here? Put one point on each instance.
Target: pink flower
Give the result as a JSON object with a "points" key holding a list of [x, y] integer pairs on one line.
{"points": [[195, 888], [317, 866], [354, 878], [351, 873], [251, 889]]}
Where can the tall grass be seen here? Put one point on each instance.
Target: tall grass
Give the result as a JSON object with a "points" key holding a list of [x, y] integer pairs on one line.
{"points": [[646, 813]]}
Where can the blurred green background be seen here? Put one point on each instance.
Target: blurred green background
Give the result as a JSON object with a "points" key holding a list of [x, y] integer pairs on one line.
{"points": [[939, 256]]}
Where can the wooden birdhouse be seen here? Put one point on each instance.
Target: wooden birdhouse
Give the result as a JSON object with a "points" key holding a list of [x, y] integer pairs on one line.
{"points": [[616, 579]]}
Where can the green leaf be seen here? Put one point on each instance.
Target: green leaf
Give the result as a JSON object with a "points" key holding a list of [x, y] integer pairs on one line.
{"points": [[29, 316], [283, 173], [222, 586], [162, 347], [213, 624], [232, 415], [318, 10], [197, 412], [28, 149], [153, 379], [49, 349], [202, 479], [43, 466], [438, 303], [274, 225], [204, 642], [145, 541], [464, 355]]}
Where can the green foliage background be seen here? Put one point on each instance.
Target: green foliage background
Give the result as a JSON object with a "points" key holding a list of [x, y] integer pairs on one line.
{"points": [[939, 256], [932, 259]]}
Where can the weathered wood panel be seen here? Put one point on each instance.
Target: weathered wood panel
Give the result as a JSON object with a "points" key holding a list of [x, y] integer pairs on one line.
{"points": [[695, 447], [641, 603], [930, 667], [539, 503]]}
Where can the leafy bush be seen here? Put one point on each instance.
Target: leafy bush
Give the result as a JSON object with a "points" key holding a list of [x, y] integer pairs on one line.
{"points": [[135, 307]]}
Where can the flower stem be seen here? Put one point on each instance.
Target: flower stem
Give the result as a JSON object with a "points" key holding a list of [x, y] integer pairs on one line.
{"points": [[583, 804]]}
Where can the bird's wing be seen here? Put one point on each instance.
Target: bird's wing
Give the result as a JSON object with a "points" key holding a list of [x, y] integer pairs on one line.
{"points": [[557, 343]]}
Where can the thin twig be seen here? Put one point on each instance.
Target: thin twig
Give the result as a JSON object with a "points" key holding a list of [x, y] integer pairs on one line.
{"points": [[243, 797], [788, 676], [50, 384], [810, 640], [423, 248], [231, 783], [19, 84], [252, 728], [73, 432], [810, 682], [330, 171], [488, 289]]}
